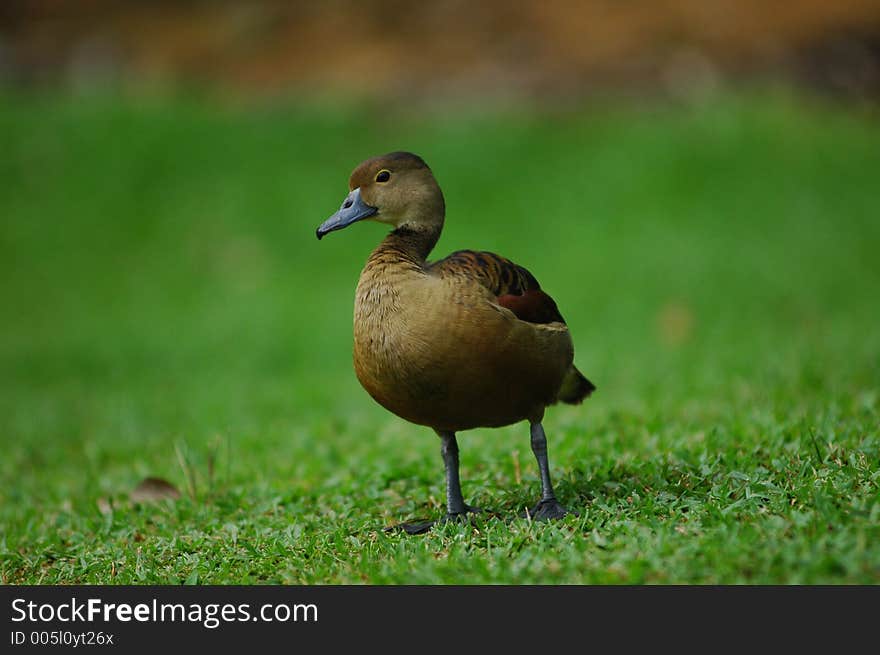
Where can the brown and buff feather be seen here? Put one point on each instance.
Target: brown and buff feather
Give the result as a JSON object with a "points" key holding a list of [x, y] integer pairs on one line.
{"points": [[519, 291]]}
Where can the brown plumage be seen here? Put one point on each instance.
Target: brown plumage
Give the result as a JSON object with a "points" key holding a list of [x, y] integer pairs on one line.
{"points": [[467, 341]]}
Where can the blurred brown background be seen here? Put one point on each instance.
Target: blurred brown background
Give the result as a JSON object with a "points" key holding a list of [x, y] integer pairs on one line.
{"points": [[452, 47]]}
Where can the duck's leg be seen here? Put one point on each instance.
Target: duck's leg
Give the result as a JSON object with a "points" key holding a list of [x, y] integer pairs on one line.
{"points": [[548, 507], [455, 505], [456, 508]]}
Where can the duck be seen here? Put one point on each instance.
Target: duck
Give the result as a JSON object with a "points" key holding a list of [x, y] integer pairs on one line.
{"points": [[467, 341]]}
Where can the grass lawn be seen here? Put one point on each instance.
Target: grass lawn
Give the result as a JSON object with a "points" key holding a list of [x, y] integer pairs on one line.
{"points": [[168, 312]]}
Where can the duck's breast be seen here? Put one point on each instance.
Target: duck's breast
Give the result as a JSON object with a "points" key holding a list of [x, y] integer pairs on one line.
{"points": [[449, 357]]}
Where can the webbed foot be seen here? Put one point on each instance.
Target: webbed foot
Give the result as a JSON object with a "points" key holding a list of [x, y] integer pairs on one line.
{"points": [[421, 527], [548, 510]]}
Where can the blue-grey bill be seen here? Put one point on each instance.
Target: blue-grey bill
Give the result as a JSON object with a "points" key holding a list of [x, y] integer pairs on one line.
{"points": [[352, 210]]}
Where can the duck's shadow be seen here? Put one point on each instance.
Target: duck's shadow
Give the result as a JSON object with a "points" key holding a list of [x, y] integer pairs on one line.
{"points": [[614, 484]]}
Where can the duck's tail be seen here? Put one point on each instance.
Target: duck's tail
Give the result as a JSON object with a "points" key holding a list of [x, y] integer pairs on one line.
{"points": [[575, 387]]}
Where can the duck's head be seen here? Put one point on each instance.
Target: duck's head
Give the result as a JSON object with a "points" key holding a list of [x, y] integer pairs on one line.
{"points": [[397, 189]]}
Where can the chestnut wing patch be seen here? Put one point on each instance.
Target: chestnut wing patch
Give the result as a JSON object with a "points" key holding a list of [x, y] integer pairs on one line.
{"points": [[533, 306], [515, 287]]}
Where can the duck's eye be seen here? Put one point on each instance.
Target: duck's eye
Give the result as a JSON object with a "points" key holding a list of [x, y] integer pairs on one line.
{"points": [[383, 176]]}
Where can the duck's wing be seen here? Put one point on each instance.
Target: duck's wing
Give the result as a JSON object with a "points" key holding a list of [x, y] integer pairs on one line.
{"points": [[517, 290], [514, 287]]}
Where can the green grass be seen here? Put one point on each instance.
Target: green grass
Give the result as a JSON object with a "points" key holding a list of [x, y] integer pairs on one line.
{"points": [[167, 311]]}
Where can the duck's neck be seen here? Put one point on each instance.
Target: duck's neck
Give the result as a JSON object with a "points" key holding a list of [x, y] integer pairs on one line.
{"points": [[392, 267], [407, 246]]}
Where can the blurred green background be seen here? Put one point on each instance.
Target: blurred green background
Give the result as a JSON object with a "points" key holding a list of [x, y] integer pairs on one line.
{"points": [[708, 225]]}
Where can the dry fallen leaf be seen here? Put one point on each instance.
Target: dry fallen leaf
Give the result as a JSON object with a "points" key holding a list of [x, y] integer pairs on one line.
{"points": [[153, 489]]}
